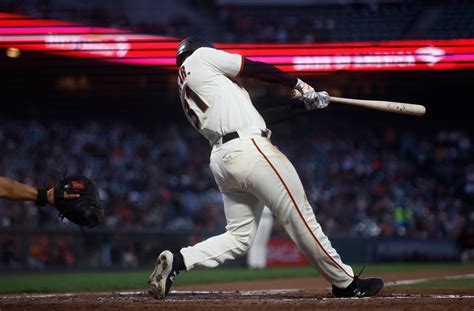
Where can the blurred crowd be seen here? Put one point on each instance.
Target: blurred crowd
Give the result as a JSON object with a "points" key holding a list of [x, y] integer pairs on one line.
{"points": [[369, 183], [369, 20], [147, 178]]}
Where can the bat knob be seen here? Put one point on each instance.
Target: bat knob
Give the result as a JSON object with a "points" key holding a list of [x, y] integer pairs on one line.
{"points": [[295, 93]]}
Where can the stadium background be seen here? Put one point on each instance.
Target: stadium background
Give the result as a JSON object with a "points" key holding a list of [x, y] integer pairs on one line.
{"points": [[385, 187]]}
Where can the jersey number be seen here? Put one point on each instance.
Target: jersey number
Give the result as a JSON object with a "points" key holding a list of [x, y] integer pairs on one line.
{"points": [[188, 96]]}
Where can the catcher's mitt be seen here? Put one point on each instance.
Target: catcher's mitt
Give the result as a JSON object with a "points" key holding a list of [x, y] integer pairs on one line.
{"points": [[87, 210]]}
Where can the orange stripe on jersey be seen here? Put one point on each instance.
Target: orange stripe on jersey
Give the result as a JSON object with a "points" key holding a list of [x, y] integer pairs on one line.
{"points": [[299, 211]]}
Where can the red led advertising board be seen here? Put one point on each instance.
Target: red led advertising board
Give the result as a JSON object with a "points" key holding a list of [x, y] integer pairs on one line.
{"points": [[123, 46]]}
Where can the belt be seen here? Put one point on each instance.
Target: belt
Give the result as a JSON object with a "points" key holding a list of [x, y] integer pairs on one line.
{"points": [[233, 135]]}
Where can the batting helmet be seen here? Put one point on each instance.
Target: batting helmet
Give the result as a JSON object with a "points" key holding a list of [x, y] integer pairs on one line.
{"points": [[187, 46]]}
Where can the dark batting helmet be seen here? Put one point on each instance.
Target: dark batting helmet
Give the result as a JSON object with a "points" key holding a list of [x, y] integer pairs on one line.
{"points": [[187, 46]]}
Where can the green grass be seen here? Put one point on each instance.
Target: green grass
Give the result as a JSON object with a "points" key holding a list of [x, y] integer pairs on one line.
{"points": [[71, 281], [120, 280], [230, 275], [443, 283], [96, 281]]}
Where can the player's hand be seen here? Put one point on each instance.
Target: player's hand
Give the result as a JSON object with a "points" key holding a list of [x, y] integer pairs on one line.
{"points": [[321, 101], [306, 91], [50, 195], [311, 98]]}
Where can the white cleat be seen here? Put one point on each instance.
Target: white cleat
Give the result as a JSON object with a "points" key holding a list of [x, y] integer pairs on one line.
{"points": [[162, 277]]}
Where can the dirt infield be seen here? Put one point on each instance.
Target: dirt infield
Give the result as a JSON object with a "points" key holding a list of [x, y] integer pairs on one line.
{"points": [[287, 294]]}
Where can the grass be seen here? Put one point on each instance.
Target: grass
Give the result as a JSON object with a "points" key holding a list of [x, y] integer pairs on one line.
{"points": [[465, 283], [121, 280], [71, 281]]}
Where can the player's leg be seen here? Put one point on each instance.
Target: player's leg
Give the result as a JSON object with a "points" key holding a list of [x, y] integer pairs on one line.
{"points": [[277, 184], [243, 212], [257, 254]]}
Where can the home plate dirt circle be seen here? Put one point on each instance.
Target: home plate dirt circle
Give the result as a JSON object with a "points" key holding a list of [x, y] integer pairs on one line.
{"points": [[390, 299], [311, 293]]}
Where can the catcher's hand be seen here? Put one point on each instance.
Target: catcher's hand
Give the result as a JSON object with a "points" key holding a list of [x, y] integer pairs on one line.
{"points": [[67, 196], [85, 210]]}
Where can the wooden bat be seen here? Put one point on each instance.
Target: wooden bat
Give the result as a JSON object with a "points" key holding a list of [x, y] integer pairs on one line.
{"points": [[388, 106]]}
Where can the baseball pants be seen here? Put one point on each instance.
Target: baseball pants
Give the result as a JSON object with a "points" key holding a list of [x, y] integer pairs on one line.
{"points": [[251, 172]]}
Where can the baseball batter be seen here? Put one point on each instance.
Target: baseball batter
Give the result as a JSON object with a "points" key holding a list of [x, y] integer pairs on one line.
{"points": [[249, 170]]}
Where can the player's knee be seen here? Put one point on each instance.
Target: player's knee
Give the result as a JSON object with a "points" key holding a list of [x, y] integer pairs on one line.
{"points": [[243, 242]]}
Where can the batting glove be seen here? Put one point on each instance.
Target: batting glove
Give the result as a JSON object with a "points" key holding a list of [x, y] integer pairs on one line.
{"points": [[311, 98], [321, 101]]}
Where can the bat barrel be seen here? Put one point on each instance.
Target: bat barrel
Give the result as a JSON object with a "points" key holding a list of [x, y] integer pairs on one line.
{"points": [[388, 106]]}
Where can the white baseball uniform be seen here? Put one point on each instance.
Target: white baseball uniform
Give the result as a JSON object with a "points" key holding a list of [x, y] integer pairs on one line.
{"points": [[249, 171]]}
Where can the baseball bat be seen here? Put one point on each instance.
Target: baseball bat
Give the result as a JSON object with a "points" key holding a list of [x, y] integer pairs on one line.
{"points": [[388, 106]]}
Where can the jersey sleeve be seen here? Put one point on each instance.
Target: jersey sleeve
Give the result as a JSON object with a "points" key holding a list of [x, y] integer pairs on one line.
{"points": [[227, 63]]}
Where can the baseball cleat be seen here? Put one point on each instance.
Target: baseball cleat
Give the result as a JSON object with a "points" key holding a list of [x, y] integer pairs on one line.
{"points": [[359, 288], [162, 277]]}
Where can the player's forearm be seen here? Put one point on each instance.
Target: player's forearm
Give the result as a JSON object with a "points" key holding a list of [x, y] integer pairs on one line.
{"points": [[16, 191], [266, 72]]}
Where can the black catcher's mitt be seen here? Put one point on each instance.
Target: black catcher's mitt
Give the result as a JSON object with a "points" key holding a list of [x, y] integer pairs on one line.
{"points": [[87, 210]]}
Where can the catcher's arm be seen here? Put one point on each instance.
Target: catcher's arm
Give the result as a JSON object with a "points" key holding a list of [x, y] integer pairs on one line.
{"points": [[16, 191]]}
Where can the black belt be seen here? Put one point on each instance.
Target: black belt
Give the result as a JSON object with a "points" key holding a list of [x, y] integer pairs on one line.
{"points": [[233, 135]]}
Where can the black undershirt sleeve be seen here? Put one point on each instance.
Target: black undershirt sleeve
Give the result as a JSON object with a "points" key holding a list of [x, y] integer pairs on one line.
{"points": [[265, 72], [269, 73], [282, 113]]}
